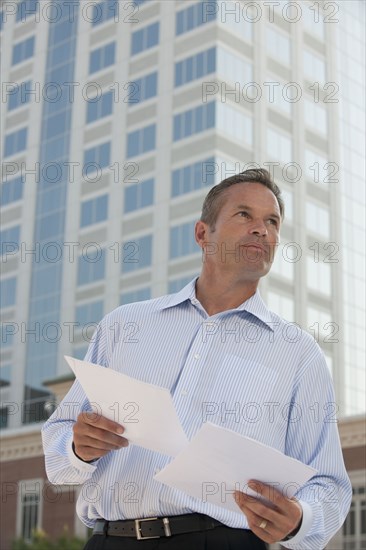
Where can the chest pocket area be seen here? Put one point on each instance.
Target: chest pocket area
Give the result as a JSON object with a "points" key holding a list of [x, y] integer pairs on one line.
{"points": [[239, 393]]}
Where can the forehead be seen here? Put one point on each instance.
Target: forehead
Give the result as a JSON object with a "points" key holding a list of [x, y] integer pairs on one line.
{"points": [[250, 194]]}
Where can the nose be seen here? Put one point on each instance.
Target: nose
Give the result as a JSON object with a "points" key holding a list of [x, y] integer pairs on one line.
{"points": [[259, 228]]}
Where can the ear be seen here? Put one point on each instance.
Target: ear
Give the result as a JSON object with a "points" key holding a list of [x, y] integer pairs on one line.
{"points": [[200, 233]]}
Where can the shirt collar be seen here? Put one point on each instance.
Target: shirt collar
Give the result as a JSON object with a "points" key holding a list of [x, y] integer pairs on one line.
{"points": [[254, 305]]}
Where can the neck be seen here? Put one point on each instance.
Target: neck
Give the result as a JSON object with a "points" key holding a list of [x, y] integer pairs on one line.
{"points": [[217, 295]]}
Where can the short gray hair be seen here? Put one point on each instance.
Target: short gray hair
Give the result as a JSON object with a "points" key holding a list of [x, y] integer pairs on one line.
{"points": [[215, 198]]}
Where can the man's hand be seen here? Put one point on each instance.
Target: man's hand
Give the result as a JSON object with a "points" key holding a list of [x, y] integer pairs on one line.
{"points": [[95, 436], [271, 524]]}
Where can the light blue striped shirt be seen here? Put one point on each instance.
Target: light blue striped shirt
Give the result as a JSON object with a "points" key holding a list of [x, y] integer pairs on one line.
{"points": [[245, 369]]}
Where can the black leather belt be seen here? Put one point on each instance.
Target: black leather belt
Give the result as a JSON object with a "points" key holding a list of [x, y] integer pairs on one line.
{"points": [[154, 528]]}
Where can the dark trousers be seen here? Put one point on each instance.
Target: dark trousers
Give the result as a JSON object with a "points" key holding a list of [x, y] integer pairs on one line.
{"points": [[220, 538]]}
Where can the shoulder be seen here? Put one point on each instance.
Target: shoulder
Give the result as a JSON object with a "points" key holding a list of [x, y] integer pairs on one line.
{"points": [[136, 310], [291, 335]]}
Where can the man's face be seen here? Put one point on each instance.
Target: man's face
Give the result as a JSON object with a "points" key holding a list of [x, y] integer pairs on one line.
{"points": [[246, 232]]}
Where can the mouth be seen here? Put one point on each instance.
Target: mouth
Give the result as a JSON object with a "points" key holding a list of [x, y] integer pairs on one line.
{"points": [[256, 246]]}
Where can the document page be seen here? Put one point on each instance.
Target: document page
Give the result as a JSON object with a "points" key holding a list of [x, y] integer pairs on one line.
{"points": [[147, 412], [219, 461]]}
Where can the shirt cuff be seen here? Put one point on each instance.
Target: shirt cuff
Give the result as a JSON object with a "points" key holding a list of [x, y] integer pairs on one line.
{"points": [[77, 462], [306, 523]]}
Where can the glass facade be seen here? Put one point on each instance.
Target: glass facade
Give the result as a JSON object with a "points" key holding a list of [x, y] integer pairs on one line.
{"points": [[173, 112], [46, 277], [101, 192]]}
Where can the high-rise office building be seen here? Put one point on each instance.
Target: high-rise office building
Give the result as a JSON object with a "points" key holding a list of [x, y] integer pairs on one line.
{"points": [[118, 116]]}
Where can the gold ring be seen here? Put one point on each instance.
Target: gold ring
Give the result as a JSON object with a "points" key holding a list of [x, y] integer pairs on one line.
{"points": [[263, 524]]}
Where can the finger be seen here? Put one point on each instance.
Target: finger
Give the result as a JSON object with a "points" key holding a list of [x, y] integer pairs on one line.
{"points": [[281, 521], [100, 444], [100, 434], [96, 419], [269, 533], [268, 491], [258, 508]]}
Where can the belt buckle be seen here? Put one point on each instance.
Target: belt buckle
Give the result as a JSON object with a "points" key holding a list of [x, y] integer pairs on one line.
{"points": [[139, 534]]}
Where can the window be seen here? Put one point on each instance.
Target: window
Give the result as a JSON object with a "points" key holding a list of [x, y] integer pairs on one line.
{"points": [[142, 89], [233, 68], [234, 123], [193, 176], [284, 261], [319, 276], [96, 158], [195, 16], [317, 167], [317, 320], [12, 191], [19, 95], [182, 240], [139, 195], [354, 528], [314, 67], [178, 284], [6, 370], [141, 141], [136, 254], [145, 38], [329, 361], [103, 11], [230, 17], [23, 50], [15, 142], [100, 107], [278, 46], [279, 146], [26, 8], [89, 313], [313, 21], [7, 331], [7, 292], [317, 219], [102, 57], [194, 121], [62, 33], [289, 207], [315, 117], [282, 305], [135, 296], [9, 240], [91, 266], [94, 210], [194, 67], [279, 94], [29, 508]]}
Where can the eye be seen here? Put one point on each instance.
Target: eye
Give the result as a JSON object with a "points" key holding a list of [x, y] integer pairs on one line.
{"points": [[273, 221], [243, 214]]}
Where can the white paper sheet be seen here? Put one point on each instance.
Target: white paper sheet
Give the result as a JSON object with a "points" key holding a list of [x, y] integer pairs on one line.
{"points": [[147, 412], [218, 461]]}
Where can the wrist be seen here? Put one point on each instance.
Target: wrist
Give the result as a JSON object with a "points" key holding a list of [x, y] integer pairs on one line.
{"points": [[79, 457], [294, 532]]}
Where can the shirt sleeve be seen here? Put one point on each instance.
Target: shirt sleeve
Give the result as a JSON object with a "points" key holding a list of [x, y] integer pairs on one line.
{"points": [[62, 465], [312, 437]]}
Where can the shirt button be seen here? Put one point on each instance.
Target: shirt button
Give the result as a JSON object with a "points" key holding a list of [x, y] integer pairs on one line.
{"points": [[196, 356], [156, 471], [183, 392]]}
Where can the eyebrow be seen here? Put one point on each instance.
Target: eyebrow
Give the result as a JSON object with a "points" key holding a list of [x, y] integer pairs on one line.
{"points": [[245, 207]]}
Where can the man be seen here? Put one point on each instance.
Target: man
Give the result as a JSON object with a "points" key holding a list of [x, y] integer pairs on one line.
{"points": [[213, 342]]}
